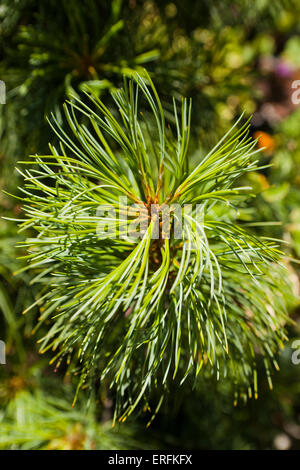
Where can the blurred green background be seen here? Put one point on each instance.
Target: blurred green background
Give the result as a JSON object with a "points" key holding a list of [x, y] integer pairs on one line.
{"points": [[228, 57]]}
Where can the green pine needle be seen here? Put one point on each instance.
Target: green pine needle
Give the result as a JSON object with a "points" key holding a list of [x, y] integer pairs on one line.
{"points": [[142, 313]]}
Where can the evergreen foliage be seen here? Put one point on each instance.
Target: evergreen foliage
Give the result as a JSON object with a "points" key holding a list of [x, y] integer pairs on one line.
{"points": [[143, 313], [205, 346]]}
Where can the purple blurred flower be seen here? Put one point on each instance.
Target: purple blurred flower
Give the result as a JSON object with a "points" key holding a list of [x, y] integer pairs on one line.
{"points": [[283, 69]]}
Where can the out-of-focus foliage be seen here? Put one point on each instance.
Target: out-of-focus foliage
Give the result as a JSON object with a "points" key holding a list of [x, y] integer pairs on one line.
{"points": [[270, 422], [228, 56], [50, 49], [34, 419]]}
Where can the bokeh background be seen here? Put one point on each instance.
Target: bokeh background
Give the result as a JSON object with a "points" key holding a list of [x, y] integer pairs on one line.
{"points": [[229, 57]]}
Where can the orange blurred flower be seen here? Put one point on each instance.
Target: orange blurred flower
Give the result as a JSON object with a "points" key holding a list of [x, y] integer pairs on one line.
{"points": [[266, 141]]}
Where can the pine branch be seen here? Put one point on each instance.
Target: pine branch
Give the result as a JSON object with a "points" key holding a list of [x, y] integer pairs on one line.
{"points": [[141, 312]]}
